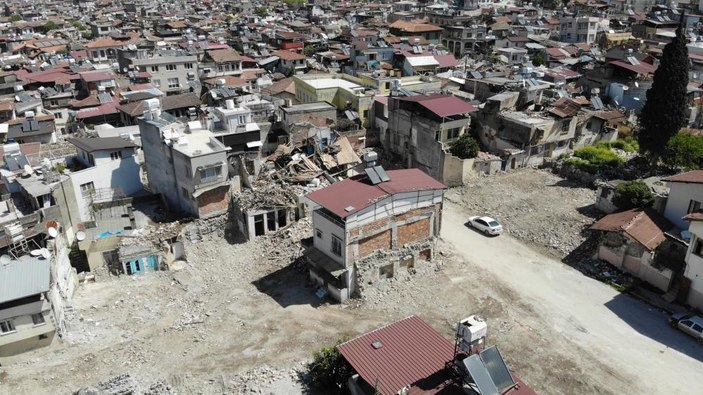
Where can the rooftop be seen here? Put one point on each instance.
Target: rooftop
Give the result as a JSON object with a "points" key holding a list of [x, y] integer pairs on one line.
{"points": [[693, 177], [645, 226], [24, 277], [101, 143]]}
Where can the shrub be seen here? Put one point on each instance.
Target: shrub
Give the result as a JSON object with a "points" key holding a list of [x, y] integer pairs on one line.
{"points": [[686, 151], [465, 147], [328, 369], [599, 158], [632, 194]]}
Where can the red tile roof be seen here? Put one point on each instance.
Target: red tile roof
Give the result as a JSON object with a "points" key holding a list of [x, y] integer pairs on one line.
{"points": [[355, 192], [693, 177], [646, 226], [442, 105], [288, 55], [411, 350]]}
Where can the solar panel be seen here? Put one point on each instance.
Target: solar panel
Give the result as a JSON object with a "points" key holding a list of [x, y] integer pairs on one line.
{"points": [[381, 173], [480, 376], [373, 176], [104, 98], [497, 369], [597, 103]]}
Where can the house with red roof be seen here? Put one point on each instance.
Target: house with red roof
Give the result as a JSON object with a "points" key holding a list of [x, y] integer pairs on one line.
{"points": [[396, 211], [410, 357], [421, 127], [685, 196]]}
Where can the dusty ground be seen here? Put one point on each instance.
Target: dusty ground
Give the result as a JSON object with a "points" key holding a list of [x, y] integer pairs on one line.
{"points": [[238, 320]]}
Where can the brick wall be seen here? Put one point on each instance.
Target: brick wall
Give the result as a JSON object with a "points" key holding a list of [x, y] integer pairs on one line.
{"points": [[213, 202], [380, 241], [415, 231]]}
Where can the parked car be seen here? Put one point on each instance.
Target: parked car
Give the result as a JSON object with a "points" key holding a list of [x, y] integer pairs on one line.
{"points": [[487, 225], [689, 324]]}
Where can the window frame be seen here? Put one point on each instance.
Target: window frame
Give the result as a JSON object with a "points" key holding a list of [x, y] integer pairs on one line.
{"points": [[7, 327], [38, 319], [336, 247]]}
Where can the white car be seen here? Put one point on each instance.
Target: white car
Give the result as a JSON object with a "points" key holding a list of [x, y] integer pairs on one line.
{"points": [[487, 225], [689, 324]]}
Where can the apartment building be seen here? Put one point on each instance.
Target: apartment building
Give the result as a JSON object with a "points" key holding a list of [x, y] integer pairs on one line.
{"points": [[579, 29], [185, 163], [344, 92], [171, 71]]}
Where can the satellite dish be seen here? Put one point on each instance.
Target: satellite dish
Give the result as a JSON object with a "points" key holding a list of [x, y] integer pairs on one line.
{"points": [[35, 252], [5, 259], [45, 253], [80, 235], [28, 169], [52, 232]]}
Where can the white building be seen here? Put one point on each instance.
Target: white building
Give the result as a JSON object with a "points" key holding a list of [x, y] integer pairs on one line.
{"points": [[111, 172], [694, 260], [685, 196], [579, 29]]}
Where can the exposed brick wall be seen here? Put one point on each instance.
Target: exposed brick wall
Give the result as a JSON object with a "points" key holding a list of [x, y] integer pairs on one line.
{"points": [[213, 202], [416, 231], [379, 241], [415, 213]]}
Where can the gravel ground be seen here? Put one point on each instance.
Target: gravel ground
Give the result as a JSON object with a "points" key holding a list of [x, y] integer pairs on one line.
{"points": [[534, 206], [240, 318]]}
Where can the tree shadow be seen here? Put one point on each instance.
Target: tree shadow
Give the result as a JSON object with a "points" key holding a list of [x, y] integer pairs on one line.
{"points": [[638, 316]]}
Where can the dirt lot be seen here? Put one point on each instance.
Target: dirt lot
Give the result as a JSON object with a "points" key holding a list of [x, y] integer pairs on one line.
{"points": [[239, 319]]}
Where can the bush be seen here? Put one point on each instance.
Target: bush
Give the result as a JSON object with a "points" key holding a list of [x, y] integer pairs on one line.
{"points": [[465, 147], [632, 194], [329, 370], [600, 156], [684, 151]]}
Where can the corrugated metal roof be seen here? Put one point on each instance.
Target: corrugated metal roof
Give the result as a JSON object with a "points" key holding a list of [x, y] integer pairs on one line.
{"points": [[410, 351], [26, 277], [355, 192]]}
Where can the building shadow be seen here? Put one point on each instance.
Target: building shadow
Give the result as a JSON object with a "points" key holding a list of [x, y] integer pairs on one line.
{"points": [[655, 326], [289, 286]]}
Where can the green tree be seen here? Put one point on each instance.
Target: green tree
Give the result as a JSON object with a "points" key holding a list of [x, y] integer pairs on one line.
{"points": [[51, 26], [309, 50], [664, 113], [686, 151], [15, 18], [538, 59], [465, 147], [261, 11], [632, 194], [328, 369]]}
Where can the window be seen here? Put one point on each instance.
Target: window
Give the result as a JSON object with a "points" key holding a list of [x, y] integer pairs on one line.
{"points": [[171, 67], [452, 133], [58, 115], [173, 83], [38, 319], [318, 233], [7, 327], [87, 189], [436, 135], [188, 65], [565, 126], [116, 155], [210, 174], [154, 68], [698, 248], [54, 102], [157, 83], [693, 206], [697, 328], [336, 245]]}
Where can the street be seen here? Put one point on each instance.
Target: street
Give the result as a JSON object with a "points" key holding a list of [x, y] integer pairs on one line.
{"points": [[624, 334]]}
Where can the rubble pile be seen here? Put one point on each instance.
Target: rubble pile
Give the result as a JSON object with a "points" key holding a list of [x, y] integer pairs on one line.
{"points": [[263, 379], [268, 193], [555, 220], [125, 384], [201, 227]]}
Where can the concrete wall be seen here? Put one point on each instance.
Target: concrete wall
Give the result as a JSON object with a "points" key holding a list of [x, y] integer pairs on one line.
{"points": [[162, 75], [694, 267], [456, 171], [680, 195], [639, 266], [327, 229]]}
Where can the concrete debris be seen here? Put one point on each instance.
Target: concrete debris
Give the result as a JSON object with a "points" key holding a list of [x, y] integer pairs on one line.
{"points": [[124, 384]]}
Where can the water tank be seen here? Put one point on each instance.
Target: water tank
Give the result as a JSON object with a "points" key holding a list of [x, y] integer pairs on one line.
{"points": [[230, 104], [472, 329]]}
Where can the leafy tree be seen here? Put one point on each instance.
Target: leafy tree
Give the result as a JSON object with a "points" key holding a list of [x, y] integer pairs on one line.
{"points": [[465, 147], [538, 59], [632, 194], [294, 3], [328, 369], [51, 26], [309, 50], [685, 150], [261, 11], [664, 113], [15, 18]]}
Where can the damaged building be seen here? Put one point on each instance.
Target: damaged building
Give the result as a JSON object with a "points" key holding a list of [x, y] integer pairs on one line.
{"points": [[266, 208], [396, 210]]}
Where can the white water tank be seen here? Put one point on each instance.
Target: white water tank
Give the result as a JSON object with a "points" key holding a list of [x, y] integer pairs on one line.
{"points": [[230, 104], [472, 329]]}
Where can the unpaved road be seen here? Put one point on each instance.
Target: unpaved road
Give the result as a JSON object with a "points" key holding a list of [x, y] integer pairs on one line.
{"points": [[625, 335]]}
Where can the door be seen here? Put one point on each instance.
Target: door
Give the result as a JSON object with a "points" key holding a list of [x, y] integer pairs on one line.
{"points": [[512, 163], [134, 266], [152, 262]]}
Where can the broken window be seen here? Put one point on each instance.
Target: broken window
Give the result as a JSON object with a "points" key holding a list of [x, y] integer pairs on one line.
{"points": [[271, 221], [259, 225], [87, 189], [38, 319], [693, 206], [282, 218], [336, 245], [698, 247], [318, 232]]}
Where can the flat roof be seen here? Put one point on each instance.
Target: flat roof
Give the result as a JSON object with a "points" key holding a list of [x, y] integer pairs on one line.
{"points": [[93, 144], [24, 277], [328, 83], [320, 105]]}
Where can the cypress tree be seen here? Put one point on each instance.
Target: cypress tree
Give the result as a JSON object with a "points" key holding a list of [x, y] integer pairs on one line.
{"points": [[664, 113]]}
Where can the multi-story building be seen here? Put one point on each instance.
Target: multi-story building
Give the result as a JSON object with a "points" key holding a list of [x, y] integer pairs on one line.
{"points": [[340, 91], [171, 71], [185, 163], [110, 172], [102, 28], [462, 40], [579, 29], [234, 127], [26, 320]]}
